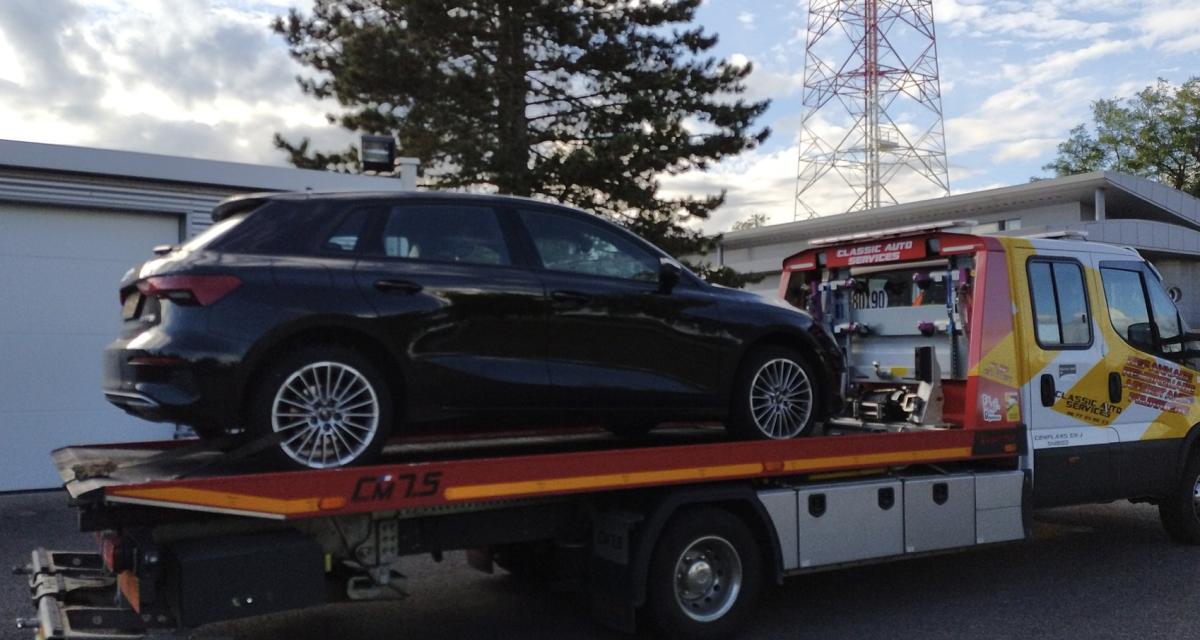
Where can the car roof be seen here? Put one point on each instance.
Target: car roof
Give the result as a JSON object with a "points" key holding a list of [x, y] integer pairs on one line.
{"points": [[247, 201]]}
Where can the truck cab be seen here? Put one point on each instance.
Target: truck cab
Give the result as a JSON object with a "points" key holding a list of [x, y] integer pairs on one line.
{"points": [[1078, 341]]}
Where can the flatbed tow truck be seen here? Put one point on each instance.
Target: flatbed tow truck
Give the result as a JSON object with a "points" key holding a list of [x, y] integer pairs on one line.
{"points": [[981, 379]]}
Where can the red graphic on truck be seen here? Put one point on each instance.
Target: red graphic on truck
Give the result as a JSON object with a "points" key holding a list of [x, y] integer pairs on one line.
{"points": [[877, 252]]}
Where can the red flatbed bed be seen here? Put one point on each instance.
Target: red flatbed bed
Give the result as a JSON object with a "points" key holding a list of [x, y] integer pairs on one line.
{"points": [[181, 475]]}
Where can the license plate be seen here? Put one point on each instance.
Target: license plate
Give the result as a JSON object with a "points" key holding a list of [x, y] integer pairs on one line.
{"points": [[129, 310]]}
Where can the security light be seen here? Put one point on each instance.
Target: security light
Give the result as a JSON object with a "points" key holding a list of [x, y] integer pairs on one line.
{"points": [[378, 153]]}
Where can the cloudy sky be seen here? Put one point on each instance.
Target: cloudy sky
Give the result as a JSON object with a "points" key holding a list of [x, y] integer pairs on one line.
{"points": [[207, 78]]}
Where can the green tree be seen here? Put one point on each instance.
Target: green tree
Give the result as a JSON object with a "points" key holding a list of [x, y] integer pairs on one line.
{"points": [[586, 103], [1155, 134], [752, 221]]}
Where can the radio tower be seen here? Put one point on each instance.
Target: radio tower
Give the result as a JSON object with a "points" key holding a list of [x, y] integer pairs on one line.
{"points": [[872, 127]]}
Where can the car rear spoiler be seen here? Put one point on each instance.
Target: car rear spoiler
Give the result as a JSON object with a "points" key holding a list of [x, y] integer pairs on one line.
{"points": [[238, 204]]}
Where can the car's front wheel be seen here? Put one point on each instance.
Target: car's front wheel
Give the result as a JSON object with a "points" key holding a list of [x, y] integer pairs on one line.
{"points": [[775, 395], [328, 406]]}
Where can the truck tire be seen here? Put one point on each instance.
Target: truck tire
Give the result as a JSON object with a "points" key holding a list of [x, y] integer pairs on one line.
{"points": [[329, 406], [1180, 511], [775, 395], [705, 575]]}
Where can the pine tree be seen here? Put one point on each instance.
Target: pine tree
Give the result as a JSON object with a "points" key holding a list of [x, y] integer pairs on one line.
{"points": [[586, 102]]}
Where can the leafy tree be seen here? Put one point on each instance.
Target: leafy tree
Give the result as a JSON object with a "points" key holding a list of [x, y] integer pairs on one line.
{"points": [[752, 221], [1155, 134], [586, 102]]}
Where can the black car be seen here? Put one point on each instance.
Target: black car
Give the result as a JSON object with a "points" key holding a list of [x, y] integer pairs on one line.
{"points": [[338, 320]]}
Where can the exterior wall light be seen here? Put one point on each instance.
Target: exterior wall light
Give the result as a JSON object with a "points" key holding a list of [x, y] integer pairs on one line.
{"points": [[377, 153]]}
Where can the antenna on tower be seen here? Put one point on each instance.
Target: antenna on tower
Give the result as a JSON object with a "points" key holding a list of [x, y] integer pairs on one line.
{"points": [[872, 126]]}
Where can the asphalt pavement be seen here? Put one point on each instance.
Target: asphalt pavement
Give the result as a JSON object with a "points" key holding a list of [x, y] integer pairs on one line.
{"points": [[1104, 571]]}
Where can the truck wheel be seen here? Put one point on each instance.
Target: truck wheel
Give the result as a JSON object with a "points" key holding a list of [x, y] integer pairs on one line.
{"points": [[1180, 511], [705, 575], [328, 404], [775, 396]]}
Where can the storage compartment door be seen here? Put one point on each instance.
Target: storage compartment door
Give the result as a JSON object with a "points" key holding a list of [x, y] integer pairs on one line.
{"points": [[850, 522], [939, 513]]}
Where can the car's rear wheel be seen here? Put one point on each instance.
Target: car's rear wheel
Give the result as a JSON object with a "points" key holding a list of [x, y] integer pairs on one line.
{"points": [[328, 406], [775, 395]]}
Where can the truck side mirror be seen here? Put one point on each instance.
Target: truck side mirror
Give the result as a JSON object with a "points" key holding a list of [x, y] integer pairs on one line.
{"points": [[1141, 336], [668, 274]]}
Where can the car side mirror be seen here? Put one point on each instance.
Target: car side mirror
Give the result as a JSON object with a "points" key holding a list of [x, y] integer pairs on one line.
{"points": [[1141, 336], [668, 274]]}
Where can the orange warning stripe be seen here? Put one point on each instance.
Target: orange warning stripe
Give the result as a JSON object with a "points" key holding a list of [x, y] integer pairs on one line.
{"points": [[607, 481], [618, 480], [222, 500], [897, 457]]}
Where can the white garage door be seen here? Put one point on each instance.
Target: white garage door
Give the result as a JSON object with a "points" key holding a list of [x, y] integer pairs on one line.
{"points": [[59, 271]]}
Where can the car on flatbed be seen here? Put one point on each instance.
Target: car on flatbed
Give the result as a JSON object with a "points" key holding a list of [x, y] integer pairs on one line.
{"points": [[338, 320]]}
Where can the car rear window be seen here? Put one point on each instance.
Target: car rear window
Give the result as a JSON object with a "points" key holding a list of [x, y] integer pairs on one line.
{"points": [[211, 234], [277, 228]]}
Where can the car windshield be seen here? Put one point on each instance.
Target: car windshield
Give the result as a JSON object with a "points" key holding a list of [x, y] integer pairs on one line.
{"points": [[215, 231]]}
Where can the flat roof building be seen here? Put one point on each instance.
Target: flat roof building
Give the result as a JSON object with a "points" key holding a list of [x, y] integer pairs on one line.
{"points": [[1162, 223]]}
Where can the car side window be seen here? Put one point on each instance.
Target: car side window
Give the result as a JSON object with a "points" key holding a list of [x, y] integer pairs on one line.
{"points": [[349, 232], [444, 233], [1127, 308], [566, 244], [1059, 304]]}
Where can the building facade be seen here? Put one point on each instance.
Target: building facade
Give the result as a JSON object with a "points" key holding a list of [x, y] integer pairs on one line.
{"points": [[72, 221], [1161, 223]]}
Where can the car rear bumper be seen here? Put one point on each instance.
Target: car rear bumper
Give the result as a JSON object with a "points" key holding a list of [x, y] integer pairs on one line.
{"points": [[163, 385]]}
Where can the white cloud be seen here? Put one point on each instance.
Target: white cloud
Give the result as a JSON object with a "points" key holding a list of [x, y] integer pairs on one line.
{"points": [[1172, 29], [768, 80], [1025, 149], [1017, 19], [190, 77], [747, 20]]}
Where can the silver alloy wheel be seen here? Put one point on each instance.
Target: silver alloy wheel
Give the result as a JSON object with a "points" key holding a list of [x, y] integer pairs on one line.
{"points": [[328, 414], [708, 578], [781, 399]]}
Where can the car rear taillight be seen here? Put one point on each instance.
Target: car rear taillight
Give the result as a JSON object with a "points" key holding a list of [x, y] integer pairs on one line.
{"points": [[194, 289]]}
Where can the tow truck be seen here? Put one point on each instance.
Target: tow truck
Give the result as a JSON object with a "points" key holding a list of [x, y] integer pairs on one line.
{"points": [[987, 376]]}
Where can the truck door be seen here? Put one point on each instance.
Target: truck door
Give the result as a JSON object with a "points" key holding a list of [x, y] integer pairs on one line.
{"points": [[1147, 376], [1068, 419]]}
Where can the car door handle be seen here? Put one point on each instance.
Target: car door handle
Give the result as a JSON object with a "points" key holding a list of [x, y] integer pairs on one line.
{"points": [[397, 286], [1114, 387], [570, 297], [1048, 390]]}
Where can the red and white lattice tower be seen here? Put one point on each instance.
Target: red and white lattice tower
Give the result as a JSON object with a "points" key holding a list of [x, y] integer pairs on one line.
{"points": [[872, 132]]}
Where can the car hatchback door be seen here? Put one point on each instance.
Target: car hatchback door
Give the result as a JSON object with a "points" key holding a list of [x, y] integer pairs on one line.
{"points": [[468, 325], [616, 341]]}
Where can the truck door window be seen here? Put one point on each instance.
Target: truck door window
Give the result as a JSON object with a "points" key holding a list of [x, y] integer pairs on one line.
{"points": [[1127, 308], [1059, 304], [1166, 316]]}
